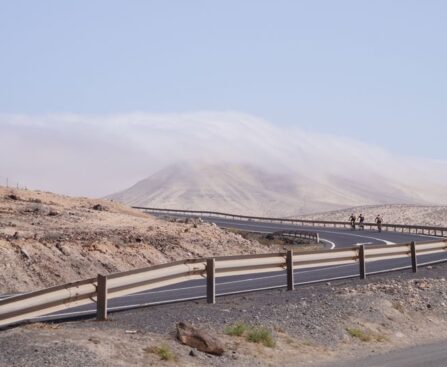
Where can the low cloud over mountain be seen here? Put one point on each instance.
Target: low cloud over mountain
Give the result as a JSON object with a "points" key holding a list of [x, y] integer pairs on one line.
{"points": [[210, 160]]}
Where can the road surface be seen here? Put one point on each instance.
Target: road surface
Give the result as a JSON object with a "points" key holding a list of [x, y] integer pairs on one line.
{"points": [[430, 355]]}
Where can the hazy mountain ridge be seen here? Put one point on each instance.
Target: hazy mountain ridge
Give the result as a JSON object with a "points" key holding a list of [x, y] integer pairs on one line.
{"points": [[119, 150], [248, 189]]}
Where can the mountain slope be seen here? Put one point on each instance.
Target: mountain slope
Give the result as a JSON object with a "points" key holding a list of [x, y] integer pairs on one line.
{"points": [[248, 189]]}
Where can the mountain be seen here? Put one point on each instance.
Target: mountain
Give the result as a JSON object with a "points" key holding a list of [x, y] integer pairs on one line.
{"points": [[249, 189]]}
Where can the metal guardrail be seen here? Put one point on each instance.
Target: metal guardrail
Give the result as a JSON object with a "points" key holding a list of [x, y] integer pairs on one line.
{"points": [[416, 229], [307, 235], [98, 290]]}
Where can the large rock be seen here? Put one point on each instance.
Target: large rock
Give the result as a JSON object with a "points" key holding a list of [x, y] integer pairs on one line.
{"points": [[199, 339]]}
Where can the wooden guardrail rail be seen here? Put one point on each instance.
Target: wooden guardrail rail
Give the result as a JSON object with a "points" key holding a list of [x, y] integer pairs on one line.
{"points": [[425, 230], [98, 290]]}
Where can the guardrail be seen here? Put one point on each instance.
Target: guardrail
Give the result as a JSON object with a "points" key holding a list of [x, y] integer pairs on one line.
{"points": [[98, 290], [307, 235], [416, 229]]}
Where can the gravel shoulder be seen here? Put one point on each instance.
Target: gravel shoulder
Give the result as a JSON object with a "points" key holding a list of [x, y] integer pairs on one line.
{"points": [[312, 326]]}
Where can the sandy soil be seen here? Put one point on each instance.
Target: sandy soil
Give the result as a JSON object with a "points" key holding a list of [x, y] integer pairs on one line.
{"points": [[48, 239]]}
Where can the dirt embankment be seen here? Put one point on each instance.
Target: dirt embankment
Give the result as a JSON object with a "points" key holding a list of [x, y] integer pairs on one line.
{"points": [[310, 326], [48, 239]]}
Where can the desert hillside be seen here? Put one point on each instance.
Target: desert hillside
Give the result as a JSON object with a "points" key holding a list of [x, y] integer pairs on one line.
{"points": [[252, 190], [48, 239], [399, 214], [238, 188]]}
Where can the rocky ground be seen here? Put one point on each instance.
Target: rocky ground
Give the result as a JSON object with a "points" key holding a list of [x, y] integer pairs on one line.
{"points": [[48, 239], [310, 326], [393, 213]]}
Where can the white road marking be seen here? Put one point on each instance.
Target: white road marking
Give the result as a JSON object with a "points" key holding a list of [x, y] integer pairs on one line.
{"points": [[329, 242], [361, 236], [342, 233]]}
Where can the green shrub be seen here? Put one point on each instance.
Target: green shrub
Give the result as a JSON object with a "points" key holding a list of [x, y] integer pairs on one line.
{"points": [[163, 351], [359, 334], [237, 329], [262, 336]]}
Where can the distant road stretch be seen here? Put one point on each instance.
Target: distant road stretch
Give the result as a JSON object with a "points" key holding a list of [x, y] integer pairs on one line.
{"points": [[339, 237]]}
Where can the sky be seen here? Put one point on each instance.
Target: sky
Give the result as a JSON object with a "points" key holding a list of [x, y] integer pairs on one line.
{"points": [[371, 71]]}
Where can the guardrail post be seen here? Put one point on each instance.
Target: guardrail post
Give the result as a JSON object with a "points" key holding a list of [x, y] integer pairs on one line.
{"points": [[290, 275], [210, 281], [362, 263], [414, 259], [318, 238], [101, 298]]}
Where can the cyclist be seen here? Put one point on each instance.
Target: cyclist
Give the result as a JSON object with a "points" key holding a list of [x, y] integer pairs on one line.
{"points": [[352, 219], [379, 221], [361, 222]]}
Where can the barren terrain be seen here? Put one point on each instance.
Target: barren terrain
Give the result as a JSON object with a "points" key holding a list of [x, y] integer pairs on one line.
{"points": [[48, 239]]}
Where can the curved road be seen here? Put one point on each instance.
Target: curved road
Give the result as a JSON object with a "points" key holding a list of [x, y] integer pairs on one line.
{"points": [[196, 289], [339, 237]]}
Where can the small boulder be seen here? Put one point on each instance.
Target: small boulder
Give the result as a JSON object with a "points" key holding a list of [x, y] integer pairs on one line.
{"points": [[199, 339], [99, 207]]}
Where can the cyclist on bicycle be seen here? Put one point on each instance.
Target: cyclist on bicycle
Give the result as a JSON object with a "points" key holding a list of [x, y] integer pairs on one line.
{"points": [[352, 219], [361, 222], [379, 221]]}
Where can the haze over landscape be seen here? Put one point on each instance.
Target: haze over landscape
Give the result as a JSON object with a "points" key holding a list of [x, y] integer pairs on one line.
{"points": [[209, 160], [313, 111]]}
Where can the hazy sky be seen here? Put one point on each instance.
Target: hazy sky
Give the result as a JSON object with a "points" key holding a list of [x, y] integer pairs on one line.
{"points": [[372, 70]]}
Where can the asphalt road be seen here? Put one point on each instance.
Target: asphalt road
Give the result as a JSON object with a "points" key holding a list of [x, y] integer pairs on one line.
{"points": [[339, 237], [196, 289], [430, 355]]}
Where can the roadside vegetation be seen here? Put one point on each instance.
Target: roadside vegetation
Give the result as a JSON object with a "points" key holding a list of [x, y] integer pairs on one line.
{"points": [[365, 335], [163, 351], [253, 334], [237, 329]]}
